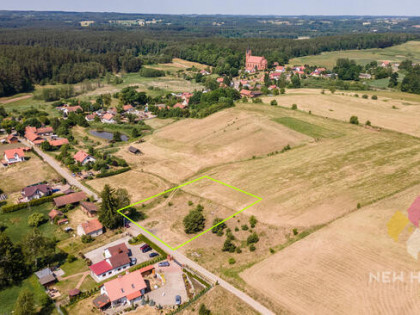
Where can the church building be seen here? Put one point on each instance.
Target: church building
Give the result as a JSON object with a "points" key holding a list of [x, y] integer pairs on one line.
{"points": [[253, 63]]}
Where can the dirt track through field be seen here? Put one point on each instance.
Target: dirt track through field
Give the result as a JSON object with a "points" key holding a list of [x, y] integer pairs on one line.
{"points": [[11, 100]]}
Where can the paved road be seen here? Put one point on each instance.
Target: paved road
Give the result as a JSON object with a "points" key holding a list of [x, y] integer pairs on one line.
{"points": [[60, 170], [135, 230]]}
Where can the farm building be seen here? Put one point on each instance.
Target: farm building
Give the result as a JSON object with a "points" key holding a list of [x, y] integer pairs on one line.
{"points": [[46, 277], [89, 208], [70, 199], [134, 150], [12, 139]]}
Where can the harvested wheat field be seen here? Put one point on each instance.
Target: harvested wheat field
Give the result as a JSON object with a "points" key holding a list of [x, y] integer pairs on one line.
{"points": [[317, 182], [181, 149], [387, 112], [139, 184], [328, 271]]}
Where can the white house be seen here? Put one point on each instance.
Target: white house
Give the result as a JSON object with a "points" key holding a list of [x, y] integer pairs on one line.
{"points": [[14, 156], [83, 158]]}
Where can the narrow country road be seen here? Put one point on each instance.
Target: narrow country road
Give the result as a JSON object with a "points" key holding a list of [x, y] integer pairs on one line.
{"points": [[60, 170], [135, 230]]}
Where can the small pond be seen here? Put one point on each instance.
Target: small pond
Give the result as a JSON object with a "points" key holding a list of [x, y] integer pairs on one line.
{"points": [[106, 135]]}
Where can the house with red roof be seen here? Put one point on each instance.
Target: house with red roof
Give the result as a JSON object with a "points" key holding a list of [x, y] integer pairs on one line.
{"points": [[83, 158], [253, 63], [93, 228], [108, 118], [58, 142], [32, 135], [275, 75], [280, 69], [117, 259], [90, 117], [126, 289], [128, 108], [13, 156], [70, 199], [204, 72], [71, 109], [246, 93]]}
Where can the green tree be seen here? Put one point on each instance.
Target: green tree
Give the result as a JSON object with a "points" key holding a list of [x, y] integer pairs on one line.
{"points": [[194, 222], [116, 136], [12, 266], [25, 303], [37, 247], [218, 229], [393, 80], [203, 310], [252, 239], [108, 215]]}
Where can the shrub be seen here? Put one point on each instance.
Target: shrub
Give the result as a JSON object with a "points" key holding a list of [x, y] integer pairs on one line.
{"points": [[365, 96], [203, 310], [87, 239], [190, 203], [273, 103], [368, 123], [252, 248], [151, 73], [228, 246], [354, 120], [218, 229], [35, 202], [238, 250], [71, 258], [232, 261], [374, 97], [116, 172], [295, 232], [272, 251], [253, 221], [282, 91], [36, 219], [252, 239], [244, 227], [294, 107]]}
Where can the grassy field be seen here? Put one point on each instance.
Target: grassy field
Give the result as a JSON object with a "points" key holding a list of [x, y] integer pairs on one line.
{"points": [[409, 50], [17, 223], [9, 296], [393, 110], [306, 128], [220, 302], [340, 257]]}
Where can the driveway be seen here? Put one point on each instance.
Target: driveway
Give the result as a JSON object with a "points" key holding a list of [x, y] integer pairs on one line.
{"points": [[173, 286], [97, 255]]}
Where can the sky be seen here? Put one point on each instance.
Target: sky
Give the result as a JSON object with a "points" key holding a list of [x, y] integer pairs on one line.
{"points": [[248, 7]]}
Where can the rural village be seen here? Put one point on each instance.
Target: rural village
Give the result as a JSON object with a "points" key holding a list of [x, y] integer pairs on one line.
{"points": [[186, 185]]}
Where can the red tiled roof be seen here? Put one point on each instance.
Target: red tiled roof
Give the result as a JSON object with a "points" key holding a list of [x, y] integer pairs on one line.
{"points": [[246, 92], [255, 59], [108, 116], [92, 226], [100, 267], [127, 107], [53, 213], [125, 286], [59, 142], [80, 156], [62, 221], [73, 108], [101, 301], [10, 154], [45, 130], [133, 295], [89, 206], [69, 199]]}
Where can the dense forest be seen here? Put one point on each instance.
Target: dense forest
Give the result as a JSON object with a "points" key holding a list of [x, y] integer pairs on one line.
{"points": [[40, 56]]}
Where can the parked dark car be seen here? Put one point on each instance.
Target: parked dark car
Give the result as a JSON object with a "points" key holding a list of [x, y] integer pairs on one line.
{"points": [[153, 254], [146, 249], [164, 264], [133, 261], [144, 246], [178, 300]]}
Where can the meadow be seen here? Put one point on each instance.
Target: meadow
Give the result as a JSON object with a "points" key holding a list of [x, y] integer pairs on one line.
{"points": [[398, 53]]}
